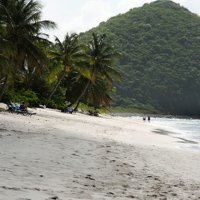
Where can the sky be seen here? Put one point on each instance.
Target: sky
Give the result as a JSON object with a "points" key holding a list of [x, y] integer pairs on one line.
{"points": [[75, 16]]}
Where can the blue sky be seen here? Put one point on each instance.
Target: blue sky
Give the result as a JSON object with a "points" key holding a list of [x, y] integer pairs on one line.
{"points": [[81, 15]]}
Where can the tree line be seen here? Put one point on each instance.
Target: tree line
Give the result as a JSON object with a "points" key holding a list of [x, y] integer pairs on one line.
{"points": [[56, 74]]}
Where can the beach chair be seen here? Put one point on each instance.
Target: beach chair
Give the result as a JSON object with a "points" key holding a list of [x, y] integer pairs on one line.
{"points": [[25, 111], [67, 110], [70, 110], [15, 108]]}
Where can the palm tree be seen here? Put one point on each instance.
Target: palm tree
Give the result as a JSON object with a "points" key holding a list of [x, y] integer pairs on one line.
{"points": [[31, 70], [3, 74], [69, 55], [102, 59], [97, 94], [21, 21], [4, 65]]}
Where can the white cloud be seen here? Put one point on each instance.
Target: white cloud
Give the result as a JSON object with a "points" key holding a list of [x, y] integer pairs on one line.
{"points": [[91, 13], [124, 6], [81, 15]]}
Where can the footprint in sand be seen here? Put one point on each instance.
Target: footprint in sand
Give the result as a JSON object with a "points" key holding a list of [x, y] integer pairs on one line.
{"points": [[10, 188], [131, 196], [54, 198], [90, 177], [110, 193], [75, 154], [129, 174]]}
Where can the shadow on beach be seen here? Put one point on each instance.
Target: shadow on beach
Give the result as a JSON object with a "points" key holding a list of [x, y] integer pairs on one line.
{"points": [[170, 133]]}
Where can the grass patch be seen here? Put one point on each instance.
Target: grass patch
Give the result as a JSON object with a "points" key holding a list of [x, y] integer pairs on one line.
{"points": [[135, 109]]}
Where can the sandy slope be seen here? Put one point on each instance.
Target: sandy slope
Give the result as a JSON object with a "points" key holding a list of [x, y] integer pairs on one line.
{"points": [[61, 156]]}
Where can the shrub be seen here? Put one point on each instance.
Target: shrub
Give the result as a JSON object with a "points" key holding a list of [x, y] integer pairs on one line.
{"points": [[27, 96]]}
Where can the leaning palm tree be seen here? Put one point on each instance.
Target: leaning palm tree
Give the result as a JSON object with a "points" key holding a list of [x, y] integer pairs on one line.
{"points": [[69, 55], [22, 24], [98, 94], [102, 59]]}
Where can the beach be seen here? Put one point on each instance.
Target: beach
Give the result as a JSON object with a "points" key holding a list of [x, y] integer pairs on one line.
{"points": [[54, 155]]}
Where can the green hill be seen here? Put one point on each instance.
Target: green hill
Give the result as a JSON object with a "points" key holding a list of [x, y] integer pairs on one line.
{"points": [[160, 63]]}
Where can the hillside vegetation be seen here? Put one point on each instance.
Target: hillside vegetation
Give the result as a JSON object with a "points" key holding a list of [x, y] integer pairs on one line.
{"points": [[160, 62]]}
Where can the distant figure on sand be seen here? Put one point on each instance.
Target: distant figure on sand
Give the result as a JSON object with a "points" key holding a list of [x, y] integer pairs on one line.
{"points": [[144, 118], [149, 118], [70, 110], [23, 107]]}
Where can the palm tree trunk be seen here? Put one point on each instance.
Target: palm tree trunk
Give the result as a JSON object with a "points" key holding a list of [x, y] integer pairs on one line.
{"points": [[84, 90], [75, 109], [82, 94], [4, 87], [55, 88]]}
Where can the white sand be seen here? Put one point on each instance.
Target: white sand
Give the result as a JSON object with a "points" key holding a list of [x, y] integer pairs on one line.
{"points": [[53, 155]]}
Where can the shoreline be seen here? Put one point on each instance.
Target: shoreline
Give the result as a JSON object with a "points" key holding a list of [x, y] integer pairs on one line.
{"points": [[129, 114], [55, 155], [168, 128]]}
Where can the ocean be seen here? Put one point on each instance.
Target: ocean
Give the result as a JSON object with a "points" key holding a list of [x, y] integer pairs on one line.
{"points": [[188, 129]]}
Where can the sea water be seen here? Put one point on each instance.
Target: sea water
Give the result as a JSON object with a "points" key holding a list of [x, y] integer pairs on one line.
{"points": [[188, 129]]}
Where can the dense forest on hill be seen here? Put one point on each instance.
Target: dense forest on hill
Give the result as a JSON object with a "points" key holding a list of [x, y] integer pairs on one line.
{"points": [[160, 62]]}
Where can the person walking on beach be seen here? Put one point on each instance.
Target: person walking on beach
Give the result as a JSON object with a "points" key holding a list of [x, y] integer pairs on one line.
{"points": [[148, 118], [144, 118]]}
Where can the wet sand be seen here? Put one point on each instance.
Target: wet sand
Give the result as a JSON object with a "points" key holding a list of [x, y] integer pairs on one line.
{"points": [[60, 156]]}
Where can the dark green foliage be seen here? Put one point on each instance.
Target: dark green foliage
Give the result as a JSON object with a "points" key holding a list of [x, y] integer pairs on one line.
{"points": [[160, 43], [34, 70], [94, 84], [28, 96]]}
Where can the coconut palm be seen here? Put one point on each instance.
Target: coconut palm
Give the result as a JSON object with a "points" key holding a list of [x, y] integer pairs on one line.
{"points": [[97, 94], [22, 24], [4, 64], [102, 59], [70, 56], [4, 71]]}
